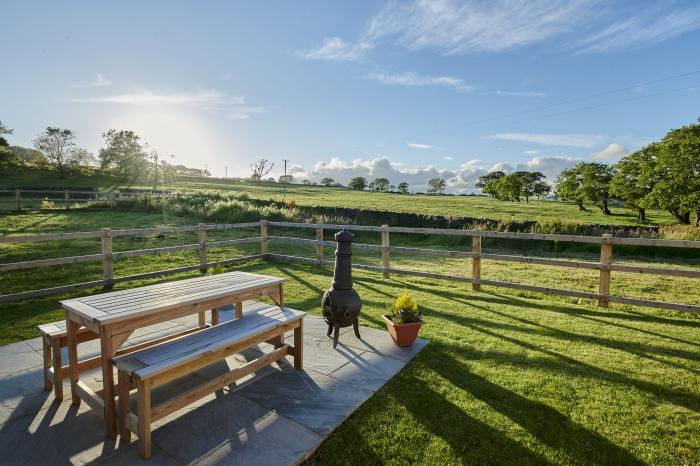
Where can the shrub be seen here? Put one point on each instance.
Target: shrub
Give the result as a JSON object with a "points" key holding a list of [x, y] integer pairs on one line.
{"points": [[406, 309]]}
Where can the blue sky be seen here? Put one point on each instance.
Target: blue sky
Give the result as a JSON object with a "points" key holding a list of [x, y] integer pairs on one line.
{"points": [[408, 90]]}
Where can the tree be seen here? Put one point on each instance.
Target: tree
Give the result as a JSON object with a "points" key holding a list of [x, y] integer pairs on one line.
{"points": [[533, 184], [675, 174], [288, 179], [327, 181], [403, 187], [4, 130], [568, 187], [587, 181], [634, 178], [260, 168], [80, 158], [437, 186], [30, 157], [596, 178], [379, 184], [487, 183], [509, 187], [56, 144], [358, 183], [123, 154], [306, 182]]}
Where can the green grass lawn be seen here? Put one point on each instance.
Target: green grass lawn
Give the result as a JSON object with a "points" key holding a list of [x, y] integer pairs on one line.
{"points": [[455, 206], [508, 378]]}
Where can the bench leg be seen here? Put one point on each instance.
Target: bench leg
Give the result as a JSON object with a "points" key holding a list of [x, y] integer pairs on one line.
{"points": [[202, 319], [144, 415], [48, 383], [239, 310], [124, 405], [215, 317], [299, 346], [57, 369]]}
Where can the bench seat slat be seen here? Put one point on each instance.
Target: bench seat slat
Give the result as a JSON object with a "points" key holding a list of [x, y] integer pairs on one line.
{"points": [[182, 350]]}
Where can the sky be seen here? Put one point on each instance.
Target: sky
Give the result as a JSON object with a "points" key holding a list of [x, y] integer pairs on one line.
{"points": [[404, 90]]}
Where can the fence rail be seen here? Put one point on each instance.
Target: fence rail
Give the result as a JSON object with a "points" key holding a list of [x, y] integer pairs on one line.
{"points": [[605, 266], [66, 197]]}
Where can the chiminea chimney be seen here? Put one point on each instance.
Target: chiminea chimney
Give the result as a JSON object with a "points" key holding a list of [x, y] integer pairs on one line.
{"points": [[341, 304]]}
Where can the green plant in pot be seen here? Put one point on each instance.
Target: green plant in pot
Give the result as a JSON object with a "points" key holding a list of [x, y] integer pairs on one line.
{"points": [[405, 321]]}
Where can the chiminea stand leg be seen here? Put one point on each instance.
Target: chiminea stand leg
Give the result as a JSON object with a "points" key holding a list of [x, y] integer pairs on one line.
{"points": [[330, 329], [336, 334], [356, 328]]}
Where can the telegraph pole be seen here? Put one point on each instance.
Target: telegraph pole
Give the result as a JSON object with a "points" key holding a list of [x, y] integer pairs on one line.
{"points": [[284, 181]]}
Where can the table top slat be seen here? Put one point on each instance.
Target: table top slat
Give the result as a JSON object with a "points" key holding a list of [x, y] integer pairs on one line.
{"points": [[134, 303]]}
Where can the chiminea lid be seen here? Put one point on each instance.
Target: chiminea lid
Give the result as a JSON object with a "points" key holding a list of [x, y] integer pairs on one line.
{"points": [[344, 235]]}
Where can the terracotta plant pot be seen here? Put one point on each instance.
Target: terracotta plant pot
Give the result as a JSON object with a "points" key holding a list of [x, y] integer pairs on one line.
{"points": [[403, 334]]}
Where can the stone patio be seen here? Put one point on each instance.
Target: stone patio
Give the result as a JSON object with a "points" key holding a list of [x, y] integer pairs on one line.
{"points": [[276, 416]]}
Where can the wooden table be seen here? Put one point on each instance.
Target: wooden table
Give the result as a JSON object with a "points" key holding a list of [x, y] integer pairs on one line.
{"points": [[114, 316]]}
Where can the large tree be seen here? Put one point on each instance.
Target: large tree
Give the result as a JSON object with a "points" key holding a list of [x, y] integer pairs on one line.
{"points": [[533, 185], [327, 181], [437, 186], [358, 183], [379, 184], [123, 154], [56, 144], [402, 187], [487, 183], [635, 178], [676, 174], [569, 187]]}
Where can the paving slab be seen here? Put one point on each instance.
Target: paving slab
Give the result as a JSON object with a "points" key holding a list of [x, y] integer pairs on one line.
{"points": [[276, 416]]}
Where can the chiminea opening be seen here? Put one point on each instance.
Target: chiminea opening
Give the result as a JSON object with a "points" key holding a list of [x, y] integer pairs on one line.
{"points": [[341, 304]]}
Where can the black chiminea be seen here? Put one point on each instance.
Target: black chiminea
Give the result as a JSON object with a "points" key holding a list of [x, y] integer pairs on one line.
{"points": [[341, 304]]}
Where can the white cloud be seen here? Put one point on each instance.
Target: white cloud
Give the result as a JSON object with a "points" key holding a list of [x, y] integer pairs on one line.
{"points": [[336, 49], [531, 152], [99, 81], [410, 78], [566, 140], [549, 166], [613, 151], [476, 26], [535, 94], [448, 158], [146, 97], [650, 26], [415, 145]]}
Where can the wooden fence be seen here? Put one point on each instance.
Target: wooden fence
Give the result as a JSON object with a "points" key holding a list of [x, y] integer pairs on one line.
{"points": [[64, 198], [605, 266]]}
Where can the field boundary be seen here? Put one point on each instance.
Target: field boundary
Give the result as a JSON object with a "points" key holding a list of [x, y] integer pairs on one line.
{"points": [[605, 266]]}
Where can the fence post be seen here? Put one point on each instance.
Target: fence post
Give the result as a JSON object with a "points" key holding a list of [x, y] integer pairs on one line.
{"points": [[112, 198], [66, 196], [319, 246], [202, 229], [107, 261], [605, 260], [18, 199], [476, 261], [385, 250], [263, 237]]}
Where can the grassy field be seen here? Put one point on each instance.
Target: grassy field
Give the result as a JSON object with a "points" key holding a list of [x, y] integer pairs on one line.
{"points": [[509, 377], [455, 206]]}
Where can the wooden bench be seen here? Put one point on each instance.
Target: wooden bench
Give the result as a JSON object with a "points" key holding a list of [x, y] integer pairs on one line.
{"points": [[55, 337], [163, 363]]}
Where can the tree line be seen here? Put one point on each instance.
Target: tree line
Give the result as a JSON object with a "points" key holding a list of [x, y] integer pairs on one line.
{"points": [[663, 175], [123, 155]]}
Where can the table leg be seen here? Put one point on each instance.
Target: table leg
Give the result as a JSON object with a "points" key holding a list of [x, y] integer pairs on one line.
{"points": [[278, 296], [299, 345], [108, 381], [202, 319], [239, 309], [215, 317], [72, 337]]}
